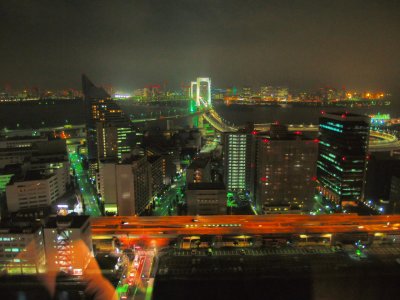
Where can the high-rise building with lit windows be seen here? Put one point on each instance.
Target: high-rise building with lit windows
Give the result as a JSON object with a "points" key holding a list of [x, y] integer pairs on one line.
{"points": [[285, 180], [22, 249], [61, 236], [114, 139], [342, 157], [109, 130], [239, 161]]}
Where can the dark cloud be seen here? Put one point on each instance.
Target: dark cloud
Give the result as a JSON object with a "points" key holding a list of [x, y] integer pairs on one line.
{"points": [[303, 44]]}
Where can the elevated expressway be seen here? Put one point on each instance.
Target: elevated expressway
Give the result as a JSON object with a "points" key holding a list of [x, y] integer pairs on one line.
{"points": [[379, 141], [244, 224]]}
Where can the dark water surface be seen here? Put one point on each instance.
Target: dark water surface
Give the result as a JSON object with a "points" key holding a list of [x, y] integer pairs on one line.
{"points": [[58, 113], [290, 115]]}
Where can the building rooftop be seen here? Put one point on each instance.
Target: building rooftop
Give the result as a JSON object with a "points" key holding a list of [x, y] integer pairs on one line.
{"points": [[59, 158], [199, 163], [69, 221], [279, 272], [131, 159], [15, 227], [107, 261], [206, 186], [15, 150], [152, 159], [91, 91], [23, 138], [30, 176], [36, 175], [346, 116], [10, 169], [296, 135]]}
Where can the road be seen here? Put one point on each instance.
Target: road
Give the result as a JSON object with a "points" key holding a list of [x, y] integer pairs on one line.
{"points": [[85, 187], [140, 273], [166, 201]]}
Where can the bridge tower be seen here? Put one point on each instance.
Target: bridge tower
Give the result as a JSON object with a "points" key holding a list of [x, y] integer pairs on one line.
{"points": [[193, 89], [205, 95]]}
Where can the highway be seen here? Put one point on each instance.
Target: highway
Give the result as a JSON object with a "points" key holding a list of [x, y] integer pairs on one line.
{"points": [[151, 119], [216, 121], [243, 224], [378, 142]]}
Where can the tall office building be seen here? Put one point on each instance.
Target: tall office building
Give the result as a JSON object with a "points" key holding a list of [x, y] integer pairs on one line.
{"points": [[126, 187], [109, 130], [342, 157], [114, 139], [239, 161], [382, 167], [286, 164], [157, 166]]}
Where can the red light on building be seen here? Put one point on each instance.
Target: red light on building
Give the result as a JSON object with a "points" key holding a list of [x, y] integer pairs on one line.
{"points": [[322, 112], [316, 141], [344, 158], [264, 179], [276, 122], [343, 116], [298, 133], [265, 141], [314, 178], [254, 132]]}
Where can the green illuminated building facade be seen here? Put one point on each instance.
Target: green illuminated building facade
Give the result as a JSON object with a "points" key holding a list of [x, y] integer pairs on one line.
{"points": [[342, 157], [5, 178]]}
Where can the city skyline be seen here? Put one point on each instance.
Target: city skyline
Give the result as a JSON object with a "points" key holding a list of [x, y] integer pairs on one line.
{"points": [[252, 146], [302, 45], [248, 90]]}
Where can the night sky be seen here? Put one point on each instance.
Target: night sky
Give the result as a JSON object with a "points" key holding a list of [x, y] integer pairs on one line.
{"points": [[301, 44]]}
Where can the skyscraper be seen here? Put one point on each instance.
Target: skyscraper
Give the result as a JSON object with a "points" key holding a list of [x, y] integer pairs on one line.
{"points": [[342, 157], [239, 161], [109, 131]]}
